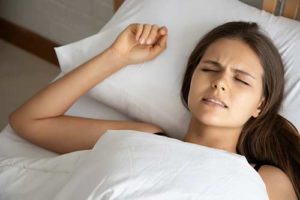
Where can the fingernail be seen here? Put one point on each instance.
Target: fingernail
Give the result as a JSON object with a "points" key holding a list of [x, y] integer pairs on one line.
{"points": [[142, 41], [149, 41]]}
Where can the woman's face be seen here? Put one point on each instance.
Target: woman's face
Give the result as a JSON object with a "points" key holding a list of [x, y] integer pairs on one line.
{"points": [[230, 72]]}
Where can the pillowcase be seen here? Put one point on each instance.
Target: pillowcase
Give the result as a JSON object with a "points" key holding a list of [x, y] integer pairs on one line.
{"points": [[89, 107], [150, 91]]}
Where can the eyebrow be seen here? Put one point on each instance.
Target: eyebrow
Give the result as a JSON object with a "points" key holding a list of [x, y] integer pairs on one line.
{"points": [[217, 64]]}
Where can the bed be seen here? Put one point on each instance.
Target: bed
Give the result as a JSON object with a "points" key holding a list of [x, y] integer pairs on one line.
{"points": [[25, 167]]}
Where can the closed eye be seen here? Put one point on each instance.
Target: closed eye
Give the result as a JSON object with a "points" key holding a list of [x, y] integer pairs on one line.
{"points": [[211, 70], [206, 70], [242, 81]]}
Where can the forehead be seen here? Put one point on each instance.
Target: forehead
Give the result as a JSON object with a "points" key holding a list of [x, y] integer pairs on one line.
{"points": [[234, 53]]}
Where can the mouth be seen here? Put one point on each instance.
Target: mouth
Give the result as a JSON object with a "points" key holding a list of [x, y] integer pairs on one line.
{"points": [[214, 101]]}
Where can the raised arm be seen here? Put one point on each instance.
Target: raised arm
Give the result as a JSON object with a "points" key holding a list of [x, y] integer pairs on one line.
{"points": [[41, 120]]}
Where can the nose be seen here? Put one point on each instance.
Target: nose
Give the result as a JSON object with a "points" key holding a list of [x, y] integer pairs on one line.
{"points": [[219, 83], [216, 87]]}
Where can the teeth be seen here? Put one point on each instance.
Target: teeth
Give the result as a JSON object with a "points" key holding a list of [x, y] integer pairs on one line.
{"points": [[215, 101]]}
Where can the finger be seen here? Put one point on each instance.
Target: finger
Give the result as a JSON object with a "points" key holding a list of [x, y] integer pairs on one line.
{"points": [[163, 30], [153, 34], [160, 45], [146, 31], [139, 31]]}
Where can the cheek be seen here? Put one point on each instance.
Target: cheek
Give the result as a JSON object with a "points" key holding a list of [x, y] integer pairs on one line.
{"points": [[244, 105], [192, 96], [196, 90], [199, 82]]}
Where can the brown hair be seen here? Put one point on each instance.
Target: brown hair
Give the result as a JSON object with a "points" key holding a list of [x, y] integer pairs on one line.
{"points": [[269, 138]]}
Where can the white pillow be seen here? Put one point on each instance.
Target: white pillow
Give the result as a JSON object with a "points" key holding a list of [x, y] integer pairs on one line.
{"points": [[150, 91]]}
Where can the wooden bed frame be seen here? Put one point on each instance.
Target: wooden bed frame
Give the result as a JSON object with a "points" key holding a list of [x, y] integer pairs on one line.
{"points": [[286, 8]]}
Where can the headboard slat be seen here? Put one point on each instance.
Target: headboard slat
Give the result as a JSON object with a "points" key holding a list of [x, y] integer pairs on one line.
{"points": [[117, 4], [291, 8], [288, 8], [270, 5]]}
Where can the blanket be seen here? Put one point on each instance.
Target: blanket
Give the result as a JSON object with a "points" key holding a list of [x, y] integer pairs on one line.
{"points": [[131, 165]]}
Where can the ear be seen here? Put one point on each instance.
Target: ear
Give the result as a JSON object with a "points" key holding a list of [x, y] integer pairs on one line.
{"points": [[259, 108]]}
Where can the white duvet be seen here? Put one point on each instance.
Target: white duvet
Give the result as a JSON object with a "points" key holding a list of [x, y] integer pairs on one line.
{"points": [[131, 165]]}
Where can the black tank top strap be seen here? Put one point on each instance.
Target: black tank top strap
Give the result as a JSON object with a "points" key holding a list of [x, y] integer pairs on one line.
{"points": [[161, 133], [257, 166]]}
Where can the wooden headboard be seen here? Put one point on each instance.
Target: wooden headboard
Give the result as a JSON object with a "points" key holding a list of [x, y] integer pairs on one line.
{"points": [[286, 8], [117, 4]]}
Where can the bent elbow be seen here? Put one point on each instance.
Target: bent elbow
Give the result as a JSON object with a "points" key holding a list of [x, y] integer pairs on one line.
{"points": [[19, 124]]}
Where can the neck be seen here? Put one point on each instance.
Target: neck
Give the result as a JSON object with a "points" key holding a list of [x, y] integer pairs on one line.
{"points": [[224, 138]]}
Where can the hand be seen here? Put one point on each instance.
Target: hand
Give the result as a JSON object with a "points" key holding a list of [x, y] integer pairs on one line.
{"points": [[139, 43]]}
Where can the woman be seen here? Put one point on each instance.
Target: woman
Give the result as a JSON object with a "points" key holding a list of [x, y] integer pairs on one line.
{"points": [[233, 87]]}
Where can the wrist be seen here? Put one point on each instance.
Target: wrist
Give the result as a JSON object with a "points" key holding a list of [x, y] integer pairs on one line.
{"points": [[117, 59]]}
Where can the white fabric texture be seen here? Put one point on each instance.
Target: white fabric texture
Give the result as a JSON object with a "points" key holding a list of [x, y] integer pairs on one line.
{"points": [[145, 166], [23, 178], [142, 90]]}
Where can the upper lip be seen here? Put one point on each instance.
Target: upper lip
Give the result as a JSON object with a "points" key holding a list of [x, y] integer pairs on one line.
{"points": [[215, 99]]}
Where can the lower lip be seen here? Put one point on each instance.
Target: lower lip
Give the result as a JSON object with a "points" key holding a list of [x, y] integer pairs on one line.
{"points": [[209, 103]]}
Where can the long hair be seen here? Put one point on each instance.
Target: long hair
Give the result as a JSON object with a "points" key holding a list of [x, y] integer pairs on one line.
{"points": [[269, 138]]}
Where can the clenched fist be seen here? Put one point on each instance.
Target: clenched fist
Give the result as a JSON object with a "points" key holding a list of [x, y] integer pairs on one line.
{"points": [[139, 43]]}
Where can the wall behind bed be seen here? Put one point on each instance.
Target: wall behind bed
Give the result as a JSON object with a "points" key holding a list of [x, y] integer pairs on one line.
{"points": [[255, 3], [63, 21]]}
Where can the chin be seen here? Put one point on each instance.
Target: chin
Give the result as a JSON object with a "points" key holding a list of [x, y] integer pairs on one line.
{"points": [[210, 120], [214, 121]]}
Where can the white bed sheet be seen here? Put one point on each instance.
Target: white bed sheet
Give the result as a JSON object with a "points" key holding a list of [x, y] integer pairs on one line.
{"points": [[12, 145]]}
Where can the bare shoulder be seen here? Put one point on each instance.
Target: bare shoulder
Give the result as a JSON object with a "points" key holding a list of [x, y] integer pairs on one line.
{"points": [[278, 184]]}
